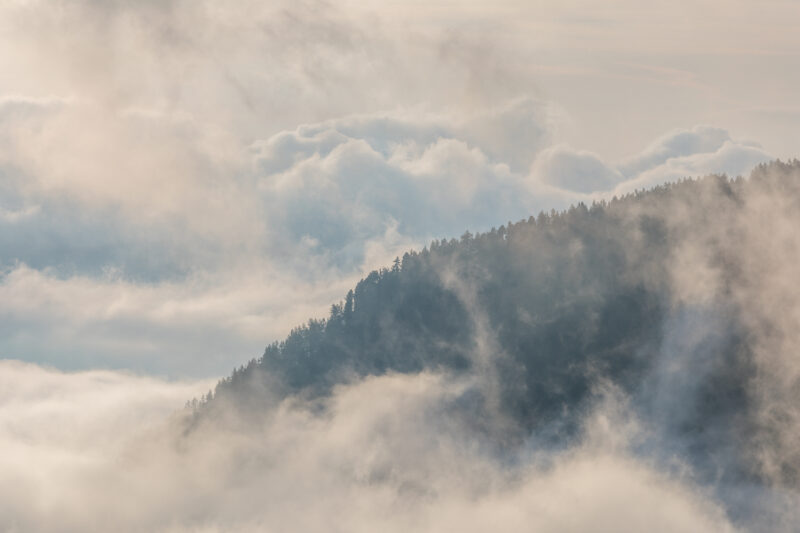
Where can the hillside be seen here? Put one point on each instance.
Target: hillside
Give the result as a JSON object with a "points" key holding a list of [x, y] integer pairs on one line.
{"points": [[681, 298]]}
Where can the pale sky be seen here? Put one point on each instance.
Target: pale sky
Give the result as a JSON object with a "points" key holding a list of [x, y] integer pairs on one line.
{"points": [[182, 182]]}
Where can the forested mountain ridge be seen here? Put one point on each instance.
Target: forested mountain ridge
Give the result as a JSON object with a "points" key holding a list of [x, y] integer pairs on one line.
{"points": [[661, 294]]}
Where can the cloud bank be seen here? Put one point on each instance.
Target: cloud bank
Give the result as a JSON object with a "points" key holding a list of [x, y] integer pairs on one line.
{"points": [[206, 263], [385, 453]]}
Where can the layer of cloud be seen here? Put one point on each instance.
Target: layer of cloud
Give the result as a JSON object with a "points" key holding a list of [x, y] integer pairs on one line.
{"points": [[198, 326], [228, 243], [385, 453]]}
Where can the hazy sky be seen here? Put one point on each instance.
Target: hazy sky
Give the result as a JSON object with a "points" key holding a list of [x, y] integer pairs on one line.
{"points": [[184, 181], [181, 182]]}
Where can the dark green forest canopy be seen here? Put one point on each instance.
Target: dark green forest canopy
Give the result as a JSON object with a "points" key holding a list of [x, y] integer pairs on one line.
{"points": [[548, 308]]}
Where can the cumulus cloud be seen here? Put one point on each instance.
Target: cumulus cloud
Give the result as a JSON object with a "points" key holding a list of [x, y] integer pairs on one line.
{"points": [[385, 453], [700, 139], [344, 182], [574, 171], [700, 151], [310, 208], [679, 154]]}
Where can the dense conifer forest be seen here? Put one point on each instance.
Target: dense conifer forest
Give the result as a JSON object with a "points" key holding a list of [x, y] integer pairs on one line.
{"points": [[649, 293]]}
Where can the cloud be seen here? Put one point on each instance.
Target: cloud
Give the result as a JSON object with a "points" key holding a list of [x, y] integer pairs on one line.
{"points": [[197, 326], [343, 182], [700, 139], [182, 182], [400, 452], [258, 145], [700, 151], [321, 205], [575, 171], [311, 209], [93, 450], [206, 326], [677, 155]]}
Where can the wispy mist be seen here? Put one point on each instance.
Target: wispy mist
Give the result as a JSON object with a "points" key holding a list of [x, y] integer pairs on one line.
{"points": [[384, 453]]}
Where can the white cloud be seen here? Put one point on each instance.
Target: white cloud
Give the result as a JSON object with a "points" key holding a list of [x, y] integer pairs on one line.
{"points": [[197, 326], [574, 171], [675, 144], [679, 154], [310, 209], [343, 182], [697, 152], [98, 450]]}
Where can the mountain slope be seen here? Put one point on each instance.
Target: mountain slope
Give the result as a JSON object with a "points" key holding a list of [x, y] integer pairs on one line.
{"points": [[682, 298]]}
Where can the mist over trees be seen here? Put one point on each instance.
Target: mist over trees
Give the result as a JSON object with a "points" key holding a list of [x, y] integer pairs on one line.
{"points": [[660, 295]]}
